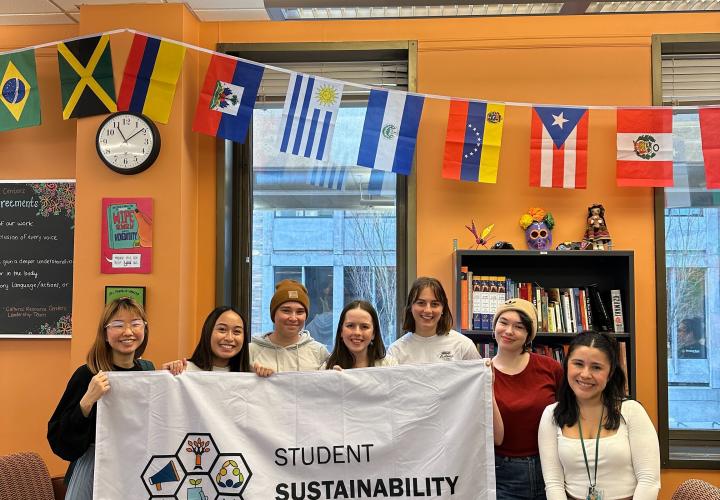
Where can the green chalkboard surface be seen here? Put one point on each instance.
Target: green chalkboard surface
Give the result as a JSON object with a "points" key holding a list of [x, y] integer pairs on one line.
{"points": [[37, 222]]}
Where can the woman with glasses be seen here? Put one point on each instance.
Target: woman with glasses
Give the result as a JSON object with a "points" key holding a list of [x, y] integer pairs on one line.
{"points": [[122, 336], [525, 383]]}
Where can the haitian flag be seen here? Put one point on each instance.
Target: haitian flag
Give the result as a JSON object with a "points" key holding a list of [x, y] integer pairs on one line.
{"points": [[558, 147], [710, 134], [150, 77], [390, 131], [227, 98], [472, 141], [19, 91], [644, 147]]}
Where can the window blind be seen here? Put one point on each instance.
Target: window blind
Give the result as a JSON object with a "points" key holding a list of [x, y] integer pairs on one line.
{"points": [[690, 79], [392, 75]]}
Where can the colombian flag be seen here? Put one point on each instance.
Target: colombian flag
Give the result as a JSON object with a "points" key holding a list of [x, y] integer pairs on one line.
{"points": [[151, 74], [472, 141], [227, 98]]}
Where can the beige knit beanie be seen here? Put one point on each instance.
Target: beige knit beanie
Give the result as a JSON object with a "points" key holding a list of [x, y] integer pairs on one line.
{"points": [[520, 305]]}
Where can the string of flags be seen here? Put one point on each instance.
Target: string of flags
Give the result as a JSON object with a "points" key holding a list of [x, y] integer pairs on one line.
{"points": [[473, 140]]}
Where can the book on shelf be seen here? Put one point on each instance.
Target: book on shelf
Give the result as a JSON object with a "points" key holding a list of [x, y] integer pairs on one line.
{"points": [[469, 294], [464, 298], [616, 301], [602, 320], [476, 303]]}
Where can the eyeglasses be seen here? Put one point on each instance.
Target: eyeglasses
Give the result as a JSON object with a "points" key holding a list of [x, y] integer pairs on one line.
{"points": [[136, 325]]}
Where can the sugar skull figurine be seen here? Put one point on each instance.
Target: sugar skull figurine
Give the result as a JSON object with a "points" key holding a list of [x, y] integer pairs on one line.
{"points": [[538, 226]]}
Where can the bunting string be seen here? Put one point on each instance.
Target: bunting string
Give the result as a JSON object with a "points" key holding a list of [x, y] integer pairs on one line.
{"points": [[559, 132]]}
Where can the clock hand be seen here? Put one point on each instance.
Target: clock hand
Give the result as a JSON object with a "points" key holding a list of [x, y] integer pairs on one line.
{"points": [[121, 134], [136, 133]]}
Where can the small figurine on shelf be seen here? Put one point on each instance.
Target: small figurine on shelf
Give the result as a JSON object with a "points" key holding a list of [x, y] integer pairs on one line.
{"points": [[597, 236], [538, 226], [482, 238]]}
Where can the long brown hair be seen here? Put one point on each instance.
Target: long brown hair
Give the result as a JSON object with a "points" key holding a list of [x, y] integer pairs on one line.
{"points": [[100, 357], [446, 319], [341, 355]]}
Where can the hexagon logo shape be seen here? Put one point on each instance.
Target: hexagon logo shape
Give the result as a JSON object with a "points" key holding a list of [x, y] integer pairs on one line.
{"points": [[231, 474], [162, 476], [197, 487], [197, 452]]}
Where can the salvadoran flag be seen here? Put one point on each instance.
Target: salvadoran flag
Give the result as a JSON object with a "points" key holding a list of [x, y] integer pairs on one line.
{"points": [[390, 131], [309, 114], [558, 147]]}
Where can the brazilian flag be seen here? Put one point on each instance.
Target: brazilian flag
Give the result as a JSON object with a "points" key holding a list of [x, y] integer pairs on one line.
{"points": [[19, 96], [86, 77]]}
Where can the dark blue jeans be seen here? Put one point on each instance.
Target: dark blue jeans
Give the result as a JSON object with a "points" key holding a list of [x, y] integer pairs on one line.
{"points": [[519, 478]]}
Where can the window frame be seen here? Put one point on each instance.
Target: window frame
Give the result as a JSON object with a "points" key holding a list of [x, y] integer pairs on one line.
{"points": [[234, 183], [691, 442]]}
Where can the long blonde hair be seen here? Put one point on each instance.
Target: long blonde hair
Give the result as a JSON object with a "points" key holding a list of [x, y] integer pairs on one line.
{"points": [[100, 357]]}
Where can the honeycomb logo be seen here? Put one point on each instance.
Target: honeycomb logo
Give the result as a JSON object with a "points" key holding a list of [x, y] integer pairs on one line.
{"points": [[197, 471]]}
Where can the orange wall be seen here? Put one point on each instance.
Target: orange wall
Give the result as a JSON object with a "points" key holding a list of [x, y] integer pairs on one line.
{"points": [[580, 60]]}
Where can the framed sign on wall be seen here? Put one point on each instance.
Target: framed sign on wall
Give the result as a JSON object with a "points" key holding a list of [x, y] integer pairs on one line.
{"points": [[136, 293]]}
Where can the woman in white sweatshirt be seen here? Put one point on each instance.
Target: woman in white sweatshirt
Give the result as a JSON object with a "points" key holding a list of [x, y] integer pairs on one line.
{"points": [[288, 347]]}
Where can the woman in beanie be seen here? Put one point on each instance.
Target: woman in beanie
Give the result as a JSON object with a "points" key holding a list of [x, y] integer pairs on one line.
{"points": [[288, 347], [525, 383]]}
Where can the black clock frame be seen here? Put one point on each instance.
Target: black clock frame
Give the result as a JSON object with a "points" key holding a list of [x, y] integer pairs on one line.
{"points": [[154, 152]]}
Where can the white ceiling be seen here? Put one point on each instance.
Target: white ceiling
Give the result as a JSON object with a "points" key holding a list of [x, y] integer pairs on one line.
{"points": [[32, 12]]}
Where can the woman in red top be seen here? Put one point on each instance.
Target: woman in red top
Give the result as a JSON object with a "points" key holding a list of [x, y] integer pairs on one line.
{"points": [[525, 383]]}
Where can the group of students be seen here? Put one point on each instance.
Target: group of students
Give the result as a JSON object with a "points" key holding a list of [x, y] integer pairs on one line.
{"points": [[560, 432]]}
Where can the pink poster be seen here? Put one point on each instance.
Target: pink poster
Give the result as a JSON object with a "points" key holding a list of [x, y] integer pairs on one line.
{"points": [[126, 240]]}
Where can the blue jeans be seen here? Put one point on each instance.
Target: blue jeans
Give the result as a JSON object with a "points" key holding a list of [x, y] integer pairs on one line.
{"points": [[519, 478]]}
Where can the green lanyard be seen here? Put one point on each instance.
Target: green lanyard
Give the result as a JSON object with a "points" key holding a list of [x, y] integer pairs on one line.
{"points": [[593, 481]]}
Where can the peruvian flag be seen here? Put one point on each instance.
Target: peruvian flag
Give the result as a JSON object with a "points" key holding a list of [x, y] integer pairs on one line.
{"points": [[710, 134], [558, 147], [644, 147]]}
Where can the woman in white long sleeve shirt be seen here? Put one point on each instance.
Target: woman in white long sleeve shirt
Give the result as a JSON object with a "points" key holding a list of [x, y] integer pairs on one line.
{"points": [[595, 444]]}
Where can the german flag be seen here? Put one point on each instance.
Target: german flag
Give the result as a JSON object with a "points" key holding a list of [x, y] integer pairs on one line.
{"points": [[86, 77]]}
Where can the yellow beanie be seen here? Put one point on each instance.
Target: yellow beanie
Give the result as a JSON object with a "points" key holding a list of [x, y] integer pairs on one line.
{"points": [[289, 291]]}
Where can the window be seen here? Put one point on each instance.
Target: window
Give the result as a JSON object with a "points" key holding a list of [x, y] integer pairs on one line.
{"points": [[338, 228], [688, 251]]}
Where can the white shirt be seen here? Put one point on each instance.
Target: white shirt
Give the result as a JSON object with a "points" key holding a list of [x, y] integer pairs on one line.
{"points": [[386, 361], [628, 461], [412, 348]]}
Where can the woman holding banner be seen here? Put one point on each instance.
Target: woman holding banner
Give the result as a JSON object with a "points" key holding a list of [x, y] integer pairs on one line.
{"points": [[430, 337], [525, 383], [358, 342], [594, 443], [122, 336]]}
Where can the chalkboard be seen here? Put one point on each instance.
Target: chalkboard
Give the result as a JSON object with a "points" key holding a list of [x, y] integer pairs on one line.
{"points": [[37, 222]]}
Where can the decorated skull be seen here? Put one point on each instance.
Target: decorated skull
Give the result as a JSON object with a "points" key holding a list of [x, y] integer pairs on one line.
{"points": [[538, 236]]}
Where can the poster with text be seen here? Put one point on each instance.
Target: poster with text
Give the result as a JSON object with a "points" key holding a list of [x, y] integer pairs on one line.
{"points": [[126, 239], [37, 225]]}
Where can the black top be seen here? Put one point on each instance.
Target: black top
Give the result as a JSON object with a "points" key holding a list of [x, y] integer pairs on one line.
{"points": [[70, 433]]}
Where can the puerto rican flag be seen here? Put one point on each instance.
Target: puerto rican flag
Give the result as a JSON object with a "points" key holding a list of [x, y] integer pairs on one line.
{"points": [[558, 147], [644, 147]]}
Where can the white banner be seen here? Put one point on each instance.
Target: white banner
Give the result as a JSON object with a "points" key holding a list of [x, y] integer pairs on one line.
{"points": [[400, 432]]}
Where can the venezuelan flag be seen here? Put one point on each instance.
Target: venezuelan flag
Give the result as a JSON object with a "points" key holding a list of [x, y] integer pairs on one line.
{"points": [[151, 74], [472, 141]]}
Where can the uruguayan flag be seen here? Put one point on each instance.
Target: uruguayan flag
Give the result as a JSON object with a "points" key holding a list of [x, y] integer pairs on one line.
{"points": [[309, 114], [329, 177], [390, 131]]}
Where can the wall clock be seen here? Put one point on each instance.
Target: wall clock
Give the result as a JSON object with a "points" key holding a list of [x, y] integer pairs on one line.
{"points": [[128, 143]]}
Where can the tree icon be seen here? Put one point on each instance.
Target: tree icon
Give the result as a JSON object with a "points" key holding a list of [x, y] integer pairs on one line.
{"points": [[198, 447]]}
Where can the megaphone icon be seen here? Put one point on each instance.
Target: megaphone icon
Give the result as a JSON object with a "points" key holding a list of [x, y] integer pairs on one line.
{"points": [[165, 475]]}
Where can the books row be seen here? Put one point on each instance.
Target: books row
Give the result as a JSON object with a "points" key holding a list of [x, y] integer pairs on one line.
{"points": [[559, 310]]}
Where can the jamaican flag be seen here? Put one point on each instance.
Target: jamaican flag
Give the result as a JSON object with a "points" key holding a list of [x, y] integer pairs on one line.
{"points": [[86, 77], [19, 97]]}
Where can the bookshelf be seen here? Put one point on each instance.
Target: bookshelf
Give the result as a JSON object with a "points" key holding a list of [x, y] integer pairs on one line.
{"points": [[606, 270]]}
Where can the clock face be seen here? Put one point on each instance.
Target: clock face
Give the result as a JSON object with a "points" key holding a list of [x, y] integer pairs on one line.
{"points": [[128, 143]]}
